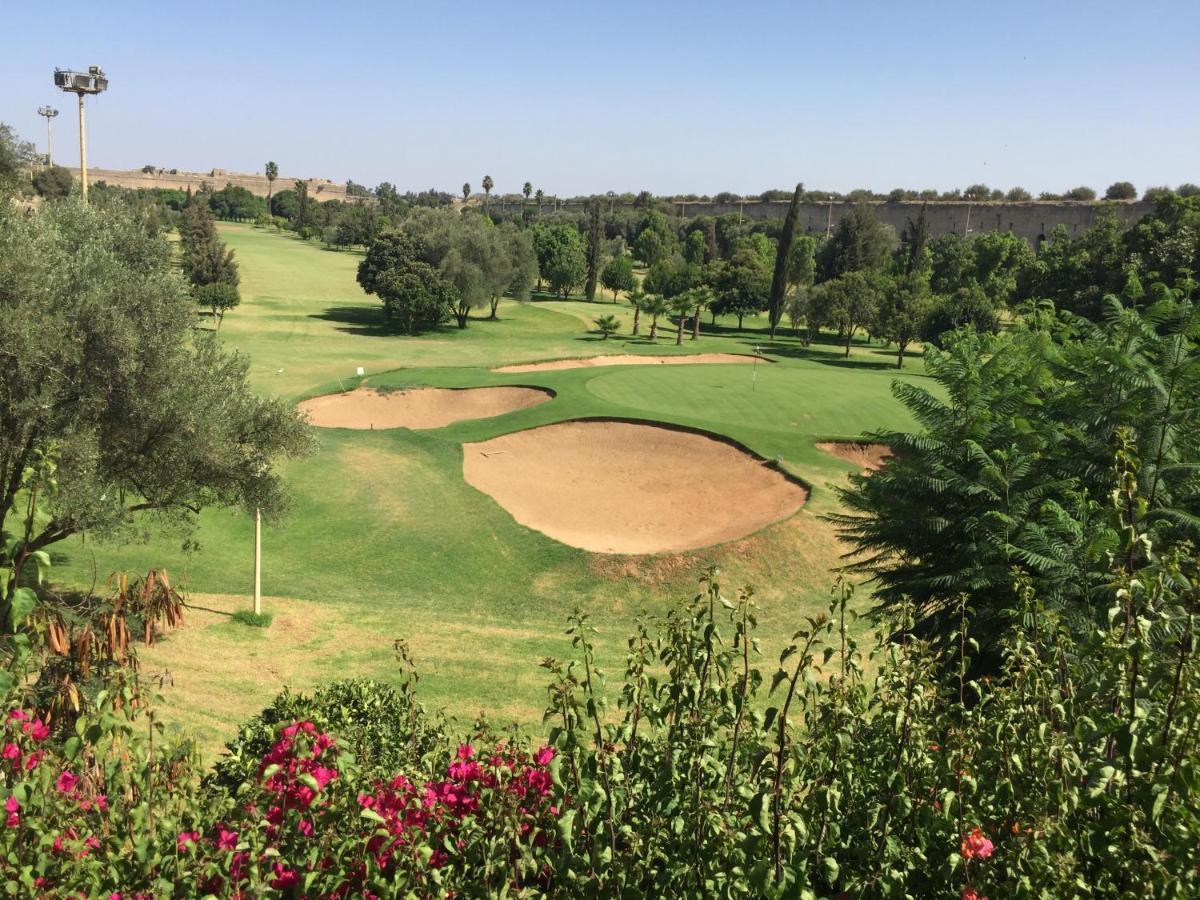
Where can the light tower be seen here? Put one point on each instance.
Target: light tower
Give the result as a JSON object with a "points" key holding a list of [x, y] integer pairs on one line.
{"points": [[49, 112], [81, 83]]}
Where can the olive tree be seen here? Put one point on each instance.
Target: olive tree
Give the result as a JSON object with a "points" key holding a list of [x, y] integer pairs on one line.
{"points": [[104, 375]]}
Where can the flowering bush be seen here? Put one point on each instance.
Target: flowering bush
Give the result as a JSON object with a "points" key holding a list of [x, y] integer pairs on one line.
{"points": [[1073, 770]]}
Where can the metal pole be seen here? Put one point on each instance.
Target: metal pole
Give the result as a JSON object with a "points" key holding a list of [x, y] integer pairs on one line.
{"points": [[82, 152], [257, 561], [49, 145]]}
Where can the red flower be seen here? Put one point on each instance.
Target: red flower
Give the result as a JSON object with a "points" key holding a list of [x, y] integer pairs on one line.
{"points": [[13, 808], [185, 838], [977, 846], [284, 877], [226, 839], [36, 730], [32, 760], [66, 783], [544, 756], [11, 751], [969, 893], [18, 715]]}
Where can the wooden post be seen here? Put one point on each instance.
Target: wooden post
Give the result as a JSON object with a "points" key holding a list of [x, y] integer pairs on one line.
{"points": [[257, 561]]}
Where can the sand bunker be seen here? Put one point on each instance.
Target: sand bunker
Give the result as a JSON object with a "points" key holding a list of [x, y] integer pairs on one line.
{"points": [[632, 359], [868, 457], [618, 487], [418, 408]]}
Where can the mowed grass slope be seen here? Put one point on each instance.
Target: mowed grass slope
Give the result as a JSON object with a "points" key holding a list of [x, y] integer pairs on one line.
{"points": [[385, 540]]}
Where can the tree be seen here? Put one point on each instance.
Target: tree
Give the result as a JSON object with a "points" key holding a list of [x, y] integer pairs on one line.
{"points": [[1121, 190], [1018, 195], [607, 325], [206, 259], [561, 259], [1077, 272], [413, 293], [798, 310], [977, 192], [783, 259], [466, 191], [488, 184], [967, 306], [272, 172], [14, 155], [1080, 193], [538, 196], [302, 201], [914, 244], [858, 243], [595, 250], [681, 305], [742, 284], [848, 302], [618, 275], [103, 372], [905, 304], [702, 296], [53, 183], [654, 305], [218, 296], [637, 298]]}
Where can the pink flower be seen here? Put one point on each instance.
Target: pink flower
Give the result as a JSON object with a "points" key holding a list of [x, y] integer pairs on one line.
{"points": [[115, 895], [323, 775], [465, 751], [544, 756], [66, 783], [226, 839], [36, 730], [977, 846], [32, 760], [11, 751], [13, 808], [18, 715], [305, 827], [185, 838]]}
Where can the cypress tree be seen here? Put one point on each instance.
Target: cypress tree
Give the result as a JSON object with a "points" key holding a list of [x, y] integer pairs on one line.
{"points": [[782, 259], [595, 240]]}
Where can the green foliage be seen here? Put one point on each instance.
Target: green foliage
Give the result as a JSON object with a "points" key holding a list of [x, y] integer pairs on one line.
{"points": [[14, 154], [847, 303], [594, 254], [711, 775], [783, 262], [1121, 190], [618, 275], [53, 183], [966, 307], [219, 296], [236, 204], [561, 259], [905, 305], [859, 242], [742, 284], [607, 325]]}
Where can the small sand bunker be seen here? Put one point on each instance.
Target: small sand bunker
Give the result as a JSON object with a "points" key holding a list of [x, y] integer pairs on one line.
{"points": [[619, 487], [418, 408], [868, 457], [632, 359]]}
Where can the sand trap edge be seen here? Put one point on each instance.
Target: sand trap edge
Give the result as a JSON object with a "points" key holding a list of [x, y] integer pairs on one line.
{"points": [[652, 360], [550, 393], [672, 426], [857, 453]]}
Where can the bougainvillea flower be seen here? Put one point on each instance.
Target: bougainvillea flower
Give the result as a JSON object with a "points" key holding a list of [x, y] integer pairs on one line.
{"points": [[976, 845]]}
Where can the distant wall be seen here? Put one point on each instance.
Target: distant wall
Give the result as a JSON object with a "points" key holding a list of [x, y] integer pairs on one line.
{"points": [[1032, 221], [318, 188]]}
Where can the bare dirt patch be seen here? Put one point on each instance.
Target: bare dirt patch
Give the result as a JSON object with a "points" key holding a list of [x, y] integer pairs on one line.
{"points": [[621, 487], [868, 457], [632, 359], [418, 408]]}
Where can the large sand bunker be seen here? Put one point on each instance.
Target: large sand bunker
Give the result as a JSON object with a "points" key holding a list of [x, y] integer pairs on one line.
{"points": [[619, 487], [868, 457], [632, 359], [418, 408]]}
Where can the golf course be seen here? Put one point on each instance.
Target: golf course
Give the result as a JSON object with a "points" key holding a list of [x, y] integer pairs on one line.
{"points": [[387, 540]]}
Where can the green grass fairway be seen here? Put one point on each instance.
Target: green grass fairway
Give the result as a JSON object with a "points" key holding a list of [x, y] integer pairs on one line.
{"points": [[387, 541]]}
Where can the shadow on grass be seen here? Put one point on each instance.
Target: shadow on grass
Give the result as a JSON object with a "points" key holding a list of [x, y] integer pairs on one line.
{"points": [[371, 322]]}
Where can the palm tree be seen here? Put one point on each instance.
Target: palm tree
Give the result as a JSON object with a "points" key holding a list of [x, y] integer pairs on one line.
{"points": [[607, 325], [701, 297], [527, 189], [636, 298], [655, 305], [539, 196], [272, 171], [466, 191], [681, 305], [487, 189]]}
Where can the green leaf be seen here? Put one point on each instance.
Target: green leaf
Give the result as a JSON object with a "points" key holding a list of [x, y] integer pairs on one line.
{"points": [[23, 602], [566, 829]]}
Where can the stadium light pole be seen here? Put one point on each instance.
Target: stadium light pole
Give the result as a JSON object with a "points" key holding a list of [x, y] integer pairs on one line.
{"points": [[49, 112], [81, 84]]}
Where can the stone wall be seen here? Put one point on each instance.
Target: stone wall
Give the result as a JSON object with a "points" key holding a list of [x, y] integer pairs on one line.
{"points": [[318, 188], [1032, 221]]}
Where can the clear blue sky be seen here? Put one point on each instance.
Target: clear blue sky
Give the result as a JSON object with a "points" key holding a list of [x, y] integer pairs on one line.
{"points": [[587, 97]]}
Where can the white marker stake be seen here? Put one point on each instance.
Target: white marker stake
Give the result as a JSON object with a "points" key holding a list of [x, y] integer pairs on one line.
{"points": [[361, 371]]}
